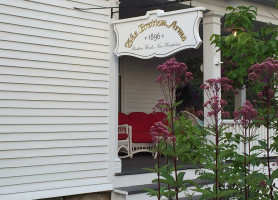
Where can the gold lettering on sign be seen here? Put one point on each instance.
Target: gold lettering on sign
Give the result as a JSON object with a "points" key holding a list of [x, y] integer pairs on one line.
{"points": [[178, 29], [131, 39], [154, 23]]}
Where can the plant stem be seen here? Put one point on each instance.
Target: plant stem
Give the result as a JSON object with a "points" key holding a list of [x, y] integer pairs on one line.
{"points": [[176, 172], [167, 162], [158, 172], [245, 164], [267, 150], [249, 153], [175, 156], [216, 156]]}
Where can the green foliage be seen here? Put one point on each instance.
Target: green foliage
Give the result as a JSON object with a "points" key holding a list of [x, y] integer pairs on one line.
{"points": [[227, 175], [248, 47], [190, 139]]}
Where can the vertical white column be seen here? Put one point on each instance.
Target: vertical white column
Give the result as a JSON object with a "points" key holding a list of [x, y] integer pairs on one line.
{"points": [[115, 164], [240, 97], [211, 58]]}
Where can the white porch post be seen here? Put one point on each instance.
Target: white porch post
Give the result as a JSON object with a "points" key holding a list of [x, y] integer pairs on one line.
{"points": [[240, 97], [211, 58], [115, 164]]}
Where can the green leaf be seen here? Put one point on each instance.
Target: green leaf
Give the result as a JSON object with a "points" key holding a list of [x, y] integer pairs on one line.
{"points": [[274, 174], [262, 143]]}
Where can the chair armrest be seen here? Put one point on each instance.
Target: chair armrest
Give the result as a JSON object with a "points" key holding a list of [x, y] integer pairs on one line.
{"points": [[123, 129]]}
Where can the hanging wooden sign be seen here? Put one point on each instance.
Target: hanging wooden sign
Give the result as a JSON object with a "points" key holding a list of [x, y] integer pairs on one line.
{"points": [[158, 33]]}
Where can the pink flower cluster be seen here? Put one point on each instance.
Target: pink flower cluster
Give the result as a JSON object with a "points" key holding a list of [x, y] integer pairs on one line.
{"points": [[213, 89], [264, 71], [245, 115], [161, 106], [159, 131], [265, 74], [173, 72]]}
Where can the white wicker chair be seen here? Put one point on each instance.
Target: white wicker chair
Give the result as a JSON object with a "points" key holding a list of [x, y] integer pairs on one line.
{"points": [[124, 145], [193, 118]]}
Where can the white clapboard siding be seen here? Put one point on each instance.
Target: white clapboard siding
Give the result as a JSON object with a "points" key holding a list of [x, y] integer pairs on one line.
{"points": [[55, 26], [140, 92], [59, 67], [59, 35], [50, 169], [34, 56], [52, 74], [18, 137], [54, 98], [28, 39]]}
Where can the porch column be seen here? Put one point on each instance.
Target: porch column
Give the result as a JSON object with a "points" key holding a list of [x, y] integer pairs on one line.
{"points": [[211, 58], [240, 97], [115, 164]]}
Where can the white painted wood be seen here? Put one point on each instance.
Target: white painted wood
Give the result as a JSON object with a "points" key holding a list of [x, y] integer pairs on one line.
{"points": [[55, 67], [240, 97], [140, 92], [33, 96], [46, 144], [133, 34], [43, 24], [114, 161], [260, 131], [40, 80], [34, 56], [211, 58], [36, 108], [52, 34], [9, 181], [52, 120], [52, 50], [52, 89], [52, 128], [27, 162], [25, 153], [27, 39], [9, 137], [51, 169], [43, 73], [57, 185], [63, 191], [54, 99], [63, 8], [17, 8]]}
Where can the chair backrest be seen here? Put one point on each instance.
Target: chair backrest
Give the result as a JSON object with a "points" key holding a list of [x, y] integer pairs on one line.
{"points": [[139, 121], [123, 119], [192, 117]]}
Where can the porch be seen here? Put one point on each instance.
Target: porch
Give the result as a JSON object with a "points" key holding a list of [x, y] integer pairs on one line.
{"points": [[138, 92]]}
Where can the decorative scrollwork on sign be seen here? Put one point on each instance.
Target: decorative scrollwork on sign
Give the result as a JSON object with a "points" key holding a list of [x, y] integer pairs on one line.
{"points": [[158, 34]]}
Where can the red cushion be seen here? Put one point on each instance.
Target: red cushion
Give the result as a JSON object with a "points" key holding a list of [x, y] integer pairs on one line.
{"points": [[123, 119], [141, 137], [157, 117], [139, 122], [122, 136]]}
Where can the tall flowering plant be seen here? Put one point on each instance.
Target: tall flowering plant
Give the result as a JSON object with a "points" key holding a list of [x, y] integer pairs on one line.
{"points": [[264, 77], [160, 133], [244, 118], [173, 74], [215, 103], [218, 150]]}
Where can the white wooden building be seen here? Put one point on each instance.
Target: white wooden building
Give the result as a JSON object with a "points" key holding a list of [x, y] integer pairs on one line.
{"points": [[59, 93]]}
